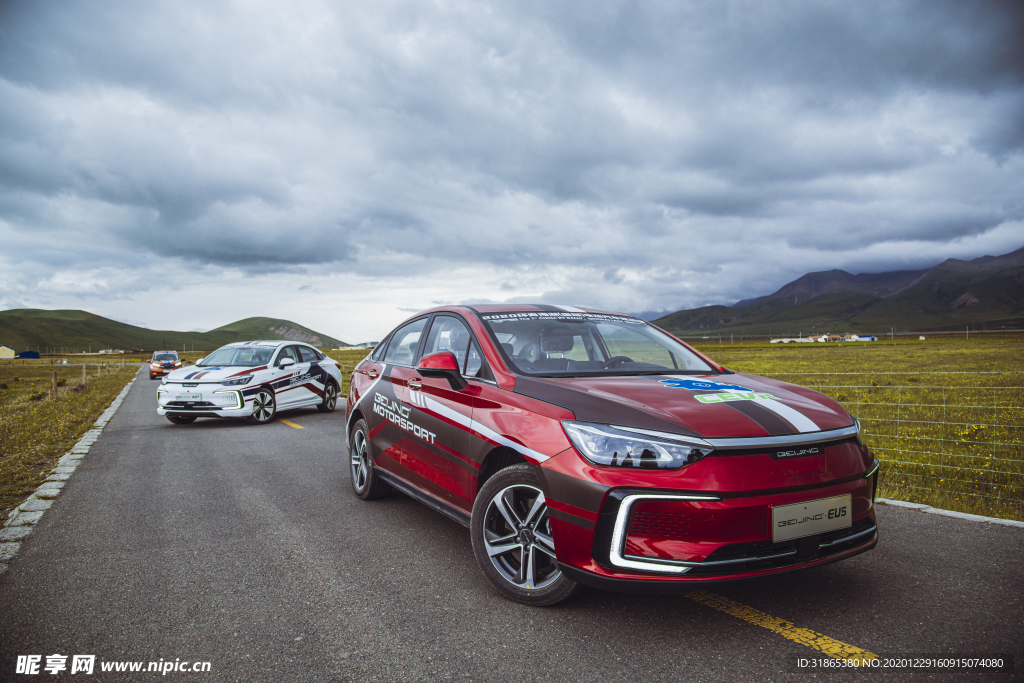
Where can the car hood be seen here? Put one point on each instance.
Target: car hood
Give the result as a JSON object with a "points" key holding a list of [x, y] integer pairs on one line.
{"points": [[213, 373], [712, 406]]}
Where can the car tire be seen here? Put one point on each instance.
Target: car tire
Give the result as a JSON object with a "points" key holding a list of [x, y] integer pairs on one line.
{"points": [[366, 483], [152, 376], [511, 528], [330, 398], [264, 407], [181, 419]]}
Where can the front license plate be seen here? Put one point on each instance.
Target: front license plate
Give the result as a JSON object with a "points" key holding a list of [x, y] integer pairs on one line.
{"points": [[189, 397], [813, 517]]}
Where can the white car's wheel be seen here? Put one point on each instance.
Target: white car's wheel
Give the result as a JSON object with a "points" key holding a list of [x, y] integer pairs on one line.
{"points": [[264, 407], [330, 398]]}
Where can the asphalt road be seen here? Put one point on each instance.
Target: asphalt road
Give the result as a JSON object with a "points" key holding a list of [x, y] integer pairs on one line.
{"points": [[244, 547]]}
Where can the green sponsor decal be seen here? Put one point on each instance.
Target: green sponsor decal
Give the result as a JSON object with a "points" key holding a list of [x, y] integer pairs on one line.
{"points": [[733, 396]]}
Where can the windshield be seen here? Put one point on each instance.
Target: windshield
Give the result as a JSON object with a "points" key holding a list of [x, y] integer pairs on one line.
{"points": [[166, 356], [588, 344], [245, 356]]}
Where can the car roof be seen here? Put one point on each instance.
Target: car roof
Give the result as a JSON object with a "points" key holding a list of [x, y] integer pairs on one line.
{"points": [[545, 308], [266, 342], [518, 308]]}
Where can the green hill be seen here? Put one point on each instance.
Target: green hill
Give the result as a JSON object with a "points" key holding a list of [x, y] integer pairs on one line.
{"points": [[275, 328], [986, 293], [72, 330]]}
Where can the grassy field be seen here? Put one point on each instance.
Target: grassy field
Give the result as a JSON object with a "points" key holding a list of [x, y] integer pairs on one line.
{"points": [[36, 429], [945, 417], [347, 361]]}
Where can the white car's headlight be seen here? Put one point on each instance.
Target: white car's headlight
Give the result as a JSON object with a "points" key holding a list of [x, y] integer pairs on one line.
{"points": [[236, 381], [612, 446]]}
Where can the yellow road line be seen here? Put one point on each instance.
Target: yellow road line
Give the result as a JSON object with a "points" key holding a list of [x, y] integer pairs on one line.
{"points": [[804, 636], [291, 424]]}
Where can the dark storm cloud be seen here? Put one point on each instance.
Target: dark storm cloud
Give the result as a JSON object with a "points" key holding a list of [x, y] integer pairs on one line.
{"points": [[655, 151]]}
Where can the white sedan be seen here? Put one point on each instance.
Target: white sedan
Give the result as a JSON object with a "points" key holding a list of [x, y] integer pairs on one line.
{"points": [[253, 380]]}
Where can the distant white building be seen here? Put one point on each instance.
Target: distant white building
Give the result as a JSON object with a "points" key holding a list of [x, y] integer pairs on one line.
{"points": [[867, 337], [6, 352]]}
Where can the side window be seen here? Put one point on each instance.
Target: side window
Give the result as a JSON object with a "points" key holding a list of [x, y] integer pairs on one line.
{"points": [[308, 354], [378, 351], [404, 342], [448, 334], [288, 352], [475, 365]]}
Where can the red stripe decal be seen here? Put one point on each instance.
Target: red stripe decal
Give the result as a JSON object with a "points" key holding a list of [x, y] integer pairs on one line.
{"points": [[571, 509]]}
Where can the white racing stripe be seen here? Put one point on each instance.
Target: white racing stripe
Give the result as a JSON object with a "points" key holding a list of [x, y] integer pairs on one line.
{"points": [[569, 309], [469, 423], [801, 422], [790, 415], [366, 393]]}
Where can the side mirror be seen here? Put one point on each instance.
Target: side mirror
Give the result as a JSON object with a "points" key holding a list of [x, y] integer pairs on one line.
{"points": [[285, 362], [443, 364], [199, 361]]}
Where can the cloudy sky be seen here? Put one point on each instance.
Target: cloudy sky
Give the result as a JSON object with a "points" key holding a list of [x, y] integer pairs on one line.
{"points": [[185, 164]]}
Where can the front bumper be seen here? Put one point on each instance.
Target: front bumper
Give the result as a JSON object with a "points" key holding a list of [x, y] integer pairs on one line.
{"points": [[634, 584], [665, 538], [204, 400]]}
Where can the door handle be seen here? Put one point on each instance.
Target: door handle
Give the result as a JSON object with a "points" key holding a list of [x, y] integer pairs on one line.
{"points": [[372, 374], [415, 384]]}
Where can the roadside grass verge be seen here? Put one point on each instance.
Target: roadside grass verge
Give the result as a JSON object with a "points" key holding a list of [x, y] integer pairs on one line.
{"points": [[347, 359], [946, 420], [36, 430]]}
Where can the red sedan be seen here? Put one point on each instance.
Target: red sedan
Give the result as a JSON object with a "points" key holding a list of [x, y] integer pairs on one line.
{"points": [[589, 448]]}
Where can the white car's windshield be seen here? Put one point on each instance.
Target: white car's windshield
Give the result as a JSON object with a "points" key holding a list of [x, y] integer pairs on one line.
{"points": [[245, 356], [568, 344]]}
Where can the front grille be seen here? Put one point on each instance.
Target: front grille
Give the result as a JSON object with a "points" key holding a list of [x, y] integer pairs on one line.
{"points": [[659, 525], [761, 555], [197, 405]]}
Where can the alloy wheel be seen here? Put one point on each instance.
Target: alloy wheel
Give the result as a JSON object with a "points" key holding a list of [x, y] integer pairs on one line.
{"points": [[517, 537], [330, 398], [360, 460], [263, 407]]}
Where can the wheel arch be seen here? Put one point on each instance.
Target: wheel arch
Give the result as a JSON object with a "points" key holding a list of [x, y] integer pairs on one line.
{"points": [[496, 460], [355, 416]]}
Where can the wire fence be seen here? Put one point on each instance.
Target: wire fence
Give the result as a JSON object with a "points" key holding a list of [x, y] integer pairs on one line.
{"points": [[959, 444]]}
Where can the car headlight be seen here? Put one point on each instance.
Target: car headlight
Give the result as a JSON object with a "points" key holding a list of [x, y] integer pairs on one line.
{"points": [[236, 381], [617, 447]]}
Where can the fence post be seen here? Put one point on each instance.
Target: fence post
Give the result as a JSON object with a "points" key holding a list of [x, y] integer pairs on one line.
{"points": [[995, 421], [53, 384], [899, 418], [83, 372], [98, 366]]}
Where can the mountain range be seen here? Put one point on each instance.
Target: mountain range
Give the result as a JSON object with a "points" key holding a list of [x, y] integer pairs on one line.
{"points": [[985, 293], [73, 330]]}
